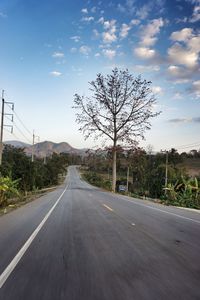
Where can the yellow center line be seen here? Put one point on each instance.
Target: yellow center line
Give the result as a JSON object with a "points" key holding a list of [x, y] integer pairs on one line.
{"points": [[122, 219], [109, 208]]}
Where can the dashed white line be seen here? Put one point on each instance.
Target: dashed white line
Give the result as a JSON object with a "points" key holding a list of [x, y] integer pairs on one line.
{"points": [[6, 273], [109, 208]]}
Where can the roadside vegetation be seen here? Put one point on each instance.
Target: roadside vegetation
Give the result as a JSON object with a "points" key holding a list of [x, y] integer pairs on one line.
{"points": [[147, 171], [20, 178]]}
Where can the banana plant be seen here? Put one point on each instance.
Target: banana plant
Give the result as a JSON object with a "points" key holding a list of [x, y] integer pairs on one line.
{"points": [[8, 188]]}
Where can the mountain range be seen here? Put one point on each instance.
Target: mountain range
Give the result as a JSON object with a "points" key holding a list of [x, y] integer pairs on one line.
{"points": [[47, 148]]}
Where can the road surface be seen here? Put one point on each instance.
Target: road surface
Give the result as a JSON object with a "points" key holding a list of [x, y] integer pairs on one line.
{"points": [[82, 243]]}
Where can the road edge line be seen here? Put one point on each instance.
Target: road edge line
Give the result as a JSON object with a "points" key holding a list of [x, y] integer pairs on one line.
{"points": [[8, 270]]}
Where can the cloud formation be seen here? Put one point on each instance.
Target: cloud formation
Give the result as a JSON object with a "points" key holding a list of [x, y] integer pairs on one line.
{"points": [[195, 88], [84, 11], [145, 53], [75, 38], [85, 50], [157, 90], [149, 32], [55, 73], [58, 55], [124, 30], [109, 35], [183, 55], [109, 53], [185, 120], [148, 38]]}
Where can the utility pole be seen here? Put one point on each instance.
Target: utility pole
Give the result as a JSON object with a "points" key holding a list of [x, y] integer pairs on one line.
{"points": [[32, 157], [2, 120], [127, 178], [166, 169], [34, 136], [2, 123]]}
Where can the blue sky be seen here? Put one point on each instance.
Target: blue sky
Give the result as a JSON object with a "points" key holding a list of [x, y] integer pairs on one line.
{"points": [[50, 50]]}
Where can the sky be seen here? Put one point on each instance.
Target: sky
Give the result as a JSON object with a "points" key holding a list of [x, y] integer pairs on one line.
{"points": [[50, 50]]}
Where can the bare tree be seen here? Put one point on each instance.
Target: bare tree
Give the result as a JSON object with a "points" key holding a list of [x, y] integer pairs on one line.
{"points": [[119, 109]]}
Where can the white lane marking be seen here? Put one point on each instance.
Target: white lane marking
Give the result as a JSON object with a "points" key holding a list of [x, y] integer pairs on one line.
{"points": [[6, 273], [158, 209], [133, 224], [107, 207]]}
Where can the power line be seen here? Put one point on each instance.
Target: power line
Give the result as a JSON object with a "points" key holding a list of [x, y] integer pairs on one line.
{"points": [[18, 130], [188, 145], [22, 123], [194, 145], [22, 133], [12, 134]]}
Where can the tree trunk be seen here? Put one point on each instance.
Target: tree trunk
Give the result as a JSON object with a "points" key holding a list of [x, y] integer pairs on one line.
{"points": [[114, 176]]}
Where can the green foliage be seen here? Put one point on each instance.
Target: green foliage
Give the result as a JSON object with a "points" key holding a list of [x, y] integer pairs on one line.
{"points": [[185, 192], [97, 180], [147, 174], [8, 189], [17, 166]]}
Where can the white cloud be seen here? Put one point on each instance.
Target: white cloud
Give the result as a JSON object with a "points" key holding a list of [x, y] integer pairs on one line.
{"points": [[179, 74], [130, 4], [58, 55], [180, 120], [181, 20], [147, 39], [121, 8], [145, 53], [182, 35], [84, 11], [177, 96], [110, 25], [149, 32], [184, 55], [127, 7], [194, 44], [75, 38], [109, 36], [93, 9], [87, 19], [109, 53], [97, 54], [196, 13], [185, 51], [143, 12], [101, 20], [124, 30], [135, 22], [157, 90], [95, 33], [85, 50], [145, 68], [181, 56], [73, 50], [55, 73], [185, 120], [196, 88]]}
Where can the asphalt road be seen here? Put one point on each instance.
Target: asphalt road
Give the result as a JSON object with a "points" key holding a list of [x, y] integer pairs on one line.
{"points": [[80, 242]]}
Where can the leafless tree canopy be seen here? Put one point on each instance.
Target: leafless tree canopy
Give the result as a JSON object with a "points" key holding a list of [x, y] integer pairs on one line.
{"points": [[120, 107]]}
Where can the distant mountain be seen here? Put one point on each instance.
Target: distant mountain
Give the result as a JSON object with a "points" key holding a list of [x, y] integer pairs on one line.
{"points": [[47, 148], [17, 144]]}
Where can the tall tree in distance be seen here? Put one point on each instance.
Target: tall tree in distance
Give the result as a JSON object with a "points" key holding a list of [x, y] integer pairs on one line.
{"points": [[119, 109]]}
